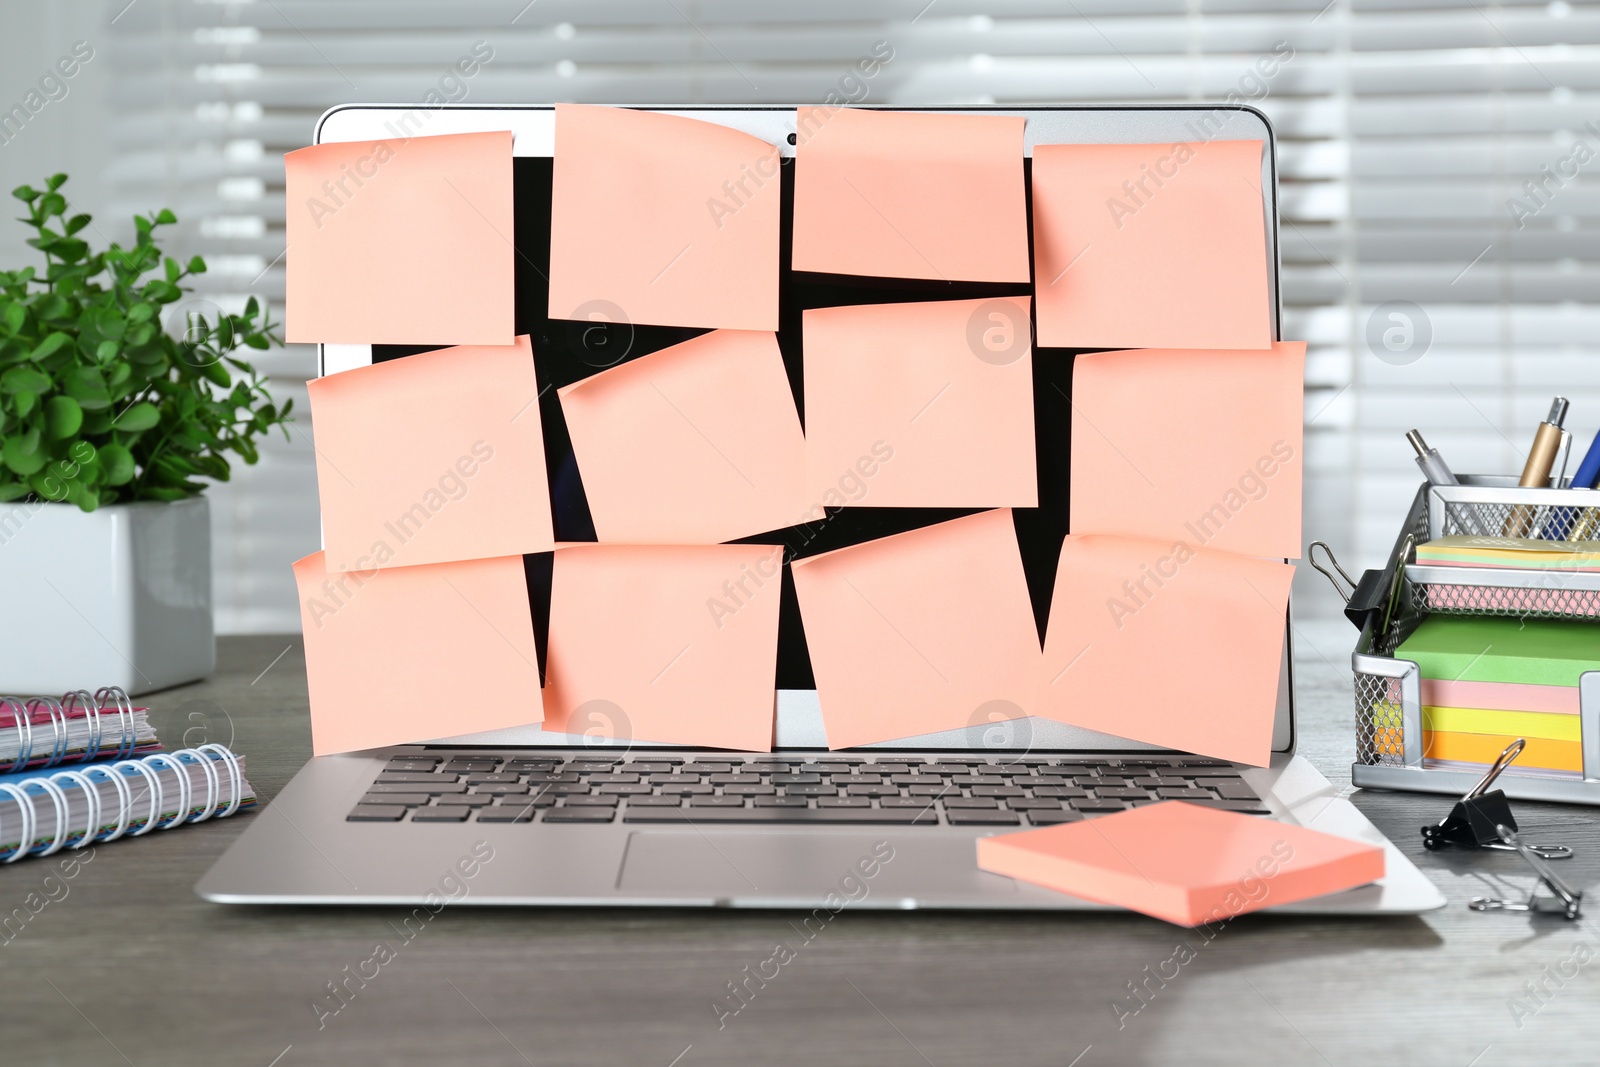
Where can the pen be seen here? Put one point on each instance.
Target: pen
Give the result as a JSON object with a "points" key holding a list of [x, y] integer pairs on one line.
{"points": [[1536, 472], [1438, 472], [1588, 477]]}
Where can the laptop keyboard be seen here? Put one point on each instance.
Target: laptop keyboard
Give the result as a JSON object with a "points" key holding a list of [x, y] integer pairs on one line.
{"points": [[892, 790]]}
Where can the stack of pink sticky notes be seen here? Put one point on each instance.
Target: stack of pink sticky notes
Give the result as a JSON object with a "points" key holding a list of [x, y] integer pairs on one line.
{"points": [[1183, 863]]}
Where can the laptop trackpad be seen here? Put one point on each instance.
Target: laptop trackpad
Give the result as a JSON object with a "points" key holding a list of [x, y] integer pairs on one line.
{"points": [[804, 865]]}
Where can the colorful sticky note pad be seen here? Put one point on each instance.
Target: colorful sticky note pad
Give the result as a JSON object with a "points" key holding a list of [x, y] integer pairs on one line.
{"points": [[905, 194], [432, 458], [389, 653], [1488, 649], [1150, 246], [402, 241], [662, 219], [676, 643], [1203, 447], [1183, 863], [1138, 632], [919, 632], [940, 392], [694, 444]]}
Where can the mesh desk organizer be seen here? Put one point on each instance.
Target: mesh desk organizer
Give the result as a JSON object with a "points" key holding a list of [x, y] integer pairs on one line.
{"points": [[1388, 605]]}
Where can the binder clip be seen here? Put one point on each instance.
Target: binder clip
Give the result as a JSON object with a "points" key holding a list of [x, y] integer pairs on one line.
{"points": [[1561, 899], [1480, 818], [1376, 597]]}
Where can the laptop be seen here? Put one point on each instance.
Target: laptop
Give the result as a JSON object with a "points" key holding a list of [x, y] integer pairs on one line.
{"points": [[528, 817]]}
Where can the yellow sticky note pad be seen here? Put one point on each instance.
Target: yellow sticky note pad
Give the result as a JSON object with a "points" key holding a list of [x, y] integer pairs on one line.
{"points": [[401, 241], [1203, 447], [670, 643], [940, 392], [389, 653], [922, 631], [905, 194], [1150, 246], [432, 458], [694, 444], [1168, 644], [662, 219]]}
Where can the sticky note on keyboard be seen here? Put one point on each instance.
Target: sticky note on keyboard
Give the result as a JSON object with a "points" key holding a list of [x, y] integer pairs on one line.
{"points": [[1150, 246], [670, 643], [922, 631], [1203, 447], [1183, 863], [939, 393], [905, 194], [694, 444], [402, 241], [1161, 642], [663, 220], [431, 458], [389, 653]]}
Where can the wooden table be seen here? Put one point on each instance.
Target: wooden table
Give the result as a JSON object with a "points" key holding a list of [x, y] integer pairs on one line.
{"points": [[127, 965]]}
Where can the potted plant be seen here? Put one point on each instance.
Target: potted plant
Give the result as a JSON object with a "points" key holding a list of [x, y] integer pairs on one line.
{"points": [[117, 399]]}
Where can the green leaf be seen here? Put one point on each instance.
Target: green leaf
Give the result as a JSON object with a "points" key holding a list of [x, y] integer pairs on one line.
{"points": [[154, 492], [49, 345], [62, 417], [24, 379], [87, 387], [22, 453], [52, 204], [105, 350], [76, 223], [116, 463], [142, 416], [197, 265], [16, 315], [25, 402], [56, 181], [25, 193], [141, 312], [12, 490], [165, 217], [216, 372], [172, 269]]}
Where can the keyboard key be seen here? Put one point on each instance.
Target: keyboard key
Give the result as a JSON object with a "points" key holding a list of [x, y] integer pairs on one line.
{"points": [[551, 776], [1194, 762], [613, 779], [780, 802], [716, 802], [1052, 818], [1235, 791], [797, 779], [965, 780], [734, 779], [1097, 805], [937, 790], [811, 790], [1034, 805], [1160, 782], [475, 767], [905, 760], [843, 802], [1106, 781], [970, 803], [1071, 770], [592, 764], [500, 789], [964, 817], [894, 816], [623, 789], [914, 779], [420, 763], [442, 786], [506, 815], [856, 779], [1060, 791], [875, 790], [766, 768], [454, 813], [909, 802], [707, 768], [501, 778], [524, 802], [684, 789], [1187, 793], [563, 789], [748, 790], [998, 791], [471, 800], [580, 814], [591, 802], [1128, 793], [655, 802], [410, 800], [657, 767], [376, 813], [412, 776]]}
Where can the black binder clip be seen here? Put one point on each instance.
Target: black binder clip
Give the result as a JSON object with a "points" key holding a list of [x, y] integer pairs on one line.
{"points": [[1561, 899], [1478, 819]]}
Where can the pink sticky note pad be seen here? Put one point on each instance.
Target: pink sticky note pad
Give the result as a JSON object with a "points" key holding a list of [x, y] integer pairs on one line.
{"points": [[1197, 446], [939, 394], [403, 241], [922, 631], [662, 219], [1150, 246], [694, 444], [390, 653], [1183, 863], [670, 643], [432, 458], [903, 194], [1165, 643], [1501, 696]]}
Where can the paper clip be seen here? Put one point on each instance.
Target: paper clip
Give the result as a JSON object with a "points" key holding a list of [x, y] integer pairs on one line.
{"points": [[1478, 818], [1562, 899]]}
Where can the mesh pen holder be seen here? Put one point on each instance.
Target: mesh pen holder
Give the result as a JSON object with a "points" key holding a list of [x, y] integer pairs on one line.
{"points": [[1388, 690]]}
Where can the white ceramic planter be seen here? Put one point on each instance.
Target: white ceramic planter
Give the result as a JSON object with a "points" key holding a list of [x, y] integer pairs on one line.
{"points": [[118, 596]]}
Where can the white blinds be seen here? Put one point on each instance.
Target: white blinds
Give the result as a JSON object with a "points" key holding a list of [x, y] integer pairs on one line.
{"points": [[1405, 128]]}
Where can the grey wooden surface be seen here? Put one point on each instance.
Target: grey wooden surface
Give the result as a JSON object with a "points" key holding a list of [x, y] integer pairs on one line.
{"points": [[129, 966]]}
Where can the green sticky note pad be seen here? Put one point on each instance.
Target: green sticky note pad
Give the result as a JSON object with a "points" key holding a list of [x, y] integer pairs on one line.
{"points": [[1488, 649]]}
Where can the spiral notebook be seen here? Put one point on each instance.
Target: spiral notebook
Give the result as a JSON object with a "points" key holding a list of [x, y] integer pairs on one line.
{"points": [[41, 731], [41, 814]]}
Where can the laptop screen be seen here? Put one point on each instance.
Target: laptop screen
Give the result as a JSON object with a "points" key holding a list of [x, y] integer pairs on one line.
{"points": [[569, 351]]}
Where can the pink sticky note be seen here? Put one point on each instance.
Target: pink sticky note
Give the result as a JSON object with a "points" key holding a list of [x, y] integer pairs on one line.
{"points": [[922, 631], [1162, 642], [431, 458], [936, 397], [1184, 863], [1150, 246], [694, 444], [905, 194], [390, 653], [670, 643], [1203, 447], [662, 219], [401, 241]]}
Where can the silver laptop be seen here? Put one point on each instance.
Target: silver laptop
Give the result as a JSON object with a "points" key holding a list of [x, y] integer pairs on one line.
{"points": [[527, 817]]}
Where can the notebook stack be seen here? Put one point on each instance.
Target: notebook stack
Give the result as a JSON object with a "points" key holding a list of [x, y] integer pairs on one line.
{"points": [[1487, 681]]}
